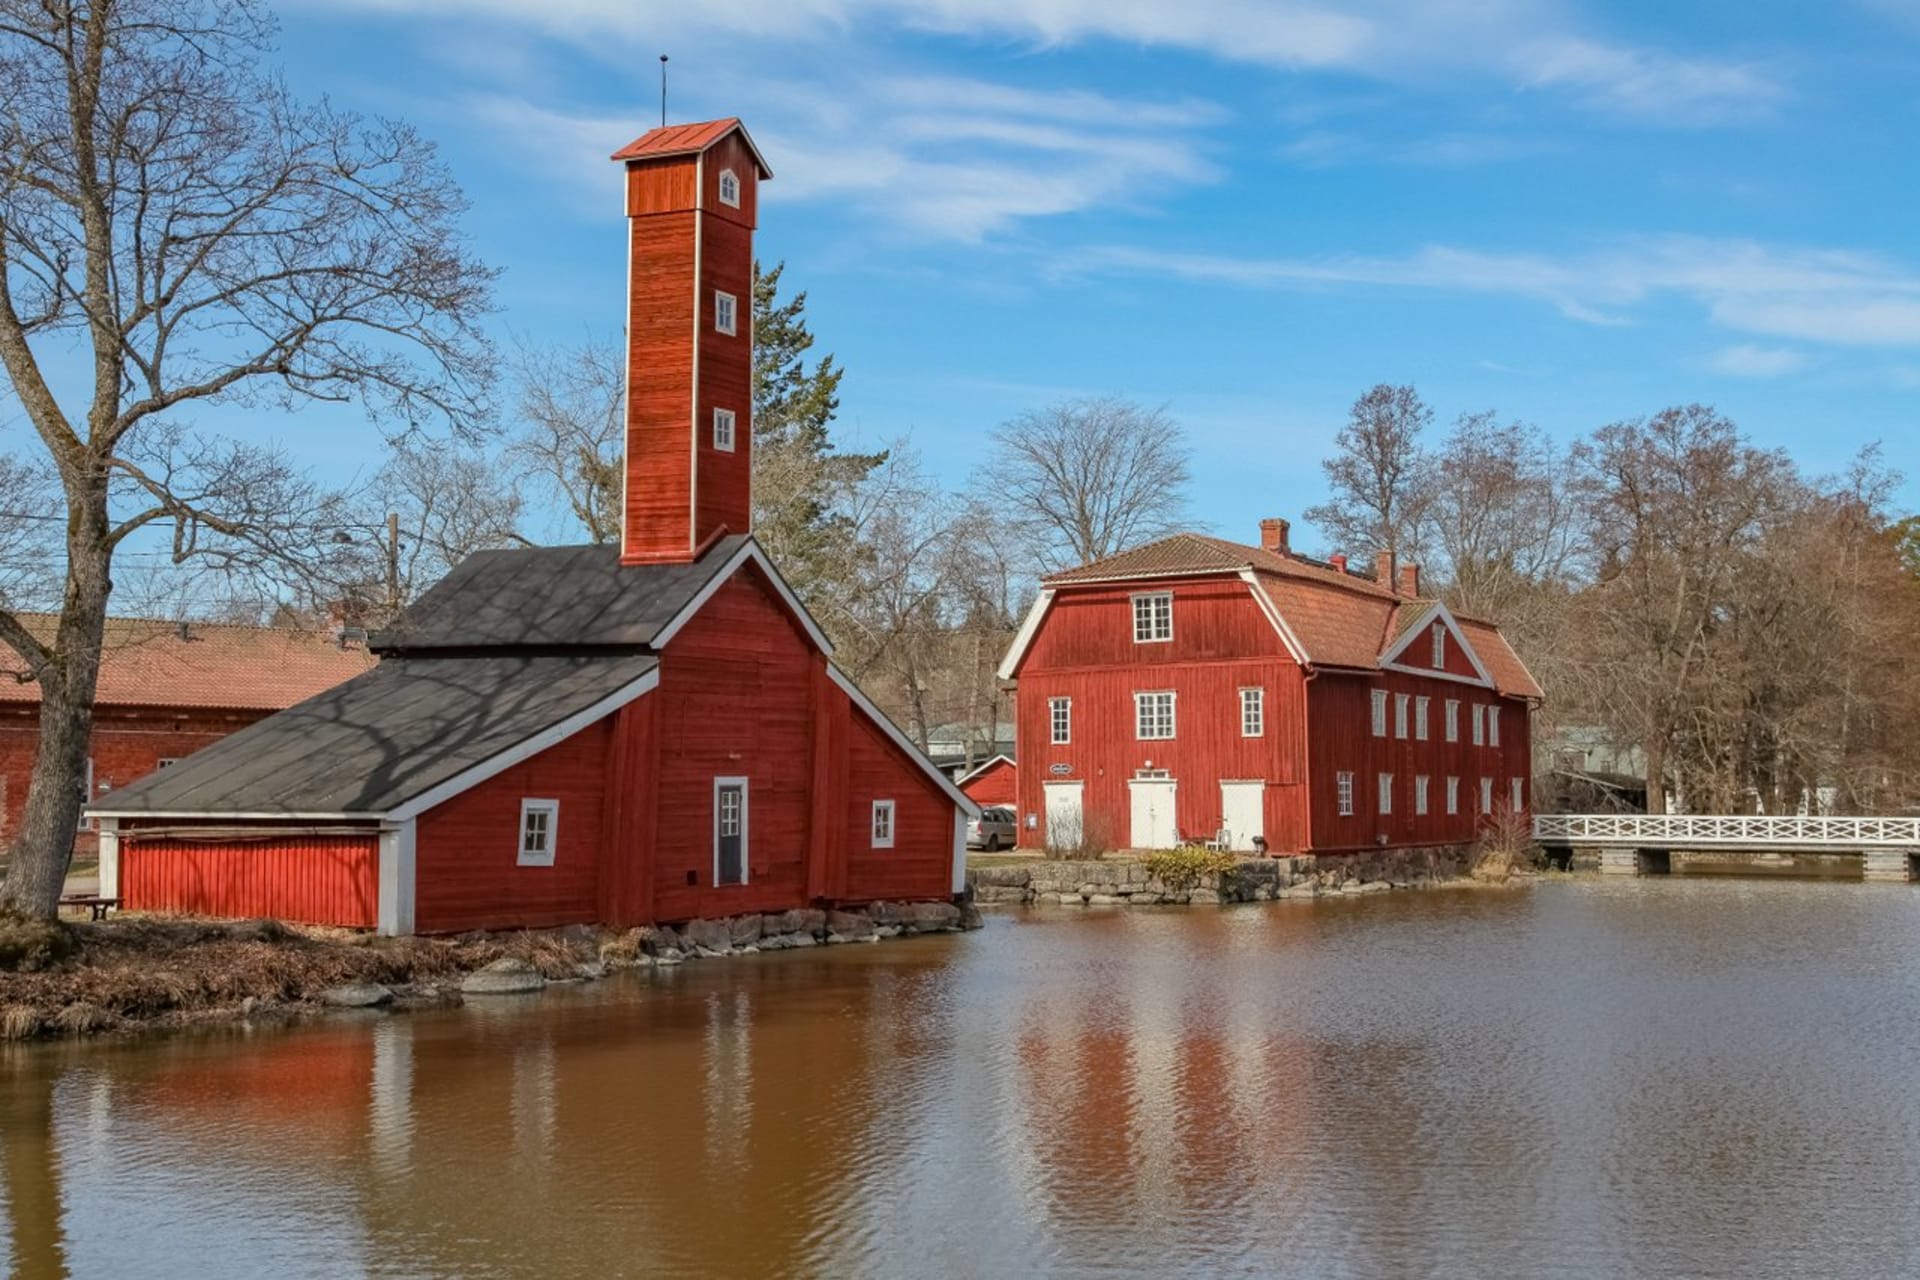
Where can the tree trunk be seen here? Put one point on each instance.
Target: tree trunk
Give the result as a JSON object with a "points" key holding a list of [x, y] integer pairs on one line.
{"points": [[1655, 752], [43, 849]]}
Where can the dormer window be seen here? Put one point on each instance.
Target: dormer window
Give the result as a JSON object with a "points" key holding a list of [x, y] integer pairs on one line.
{"points": [[1153, 617], [723, 430], [729, 189], [724, 318]]}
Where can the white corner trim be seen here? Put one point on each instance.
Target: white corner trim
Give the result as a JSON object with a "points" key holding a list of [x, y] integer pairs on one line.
{"points": [[749, 550], [901, 741], [525, 749], [396, 879], [979, 769], [109, 857], [1267, 606], [1388, 660], [1024, 637], [959, 853]]}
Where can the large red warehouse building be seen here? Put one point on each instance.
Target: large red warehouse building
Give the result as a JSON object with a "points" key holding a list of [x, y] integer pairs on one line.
{"points": [[649, 732], [1195, 686]]}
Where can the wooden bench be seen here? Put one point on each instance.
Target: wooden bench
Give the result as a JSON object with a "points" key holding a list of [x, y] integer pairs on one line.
{"points": [[93, 902]]}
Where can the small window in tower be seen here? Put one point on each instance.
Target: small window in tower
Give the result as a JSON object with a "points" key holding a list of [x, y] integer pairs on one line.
{"points": [[729, 189], [723, 430], [723, 312]]}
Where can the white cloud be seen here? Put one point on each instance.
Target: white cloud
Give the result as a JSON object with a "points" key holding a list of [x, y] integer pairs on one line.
{"points": [[947, 157], [1529, 44], [1812, 295], [1747, 361]]}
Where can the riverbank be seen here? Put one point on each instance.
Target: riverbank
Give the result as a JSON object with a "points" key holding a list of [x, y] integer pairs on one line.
{"points": [[138, 973], [1131, 880]]}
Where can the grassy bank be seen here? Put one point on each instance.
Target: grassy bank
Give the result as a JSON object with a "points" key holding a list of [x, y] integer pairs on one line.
{"points": [[137, 973]]}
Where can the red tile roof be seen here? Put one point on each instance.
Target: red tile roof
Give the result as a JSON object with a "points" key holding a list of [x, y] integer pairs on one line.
{"points": [[1339, 618], [217, 665], [687, 140]]}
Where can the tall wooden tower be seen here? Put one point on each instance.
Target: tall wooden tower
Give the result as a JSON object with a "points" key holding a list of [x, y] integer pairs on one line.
{"points": [[692, 194]]}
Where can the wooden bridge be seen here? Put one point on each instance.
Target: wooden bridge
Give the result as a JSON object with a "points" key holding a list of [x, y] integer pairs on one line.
{"points": [[1644, 843]]}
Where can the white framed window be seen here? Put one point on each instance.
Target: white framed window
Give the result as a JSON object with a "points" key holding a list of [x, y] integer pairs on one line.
{"points": [[1153, 715], [1420, 794], [1453, 795], [725, 313], [1453, 720], [1519, 795], [723, 421], [1479, 725], [1153, 617], [1253, 713], [1386, 793], [1439, 646], [730, 188], [1493, 725], [539, 830], [1421, 706], [1400, 701], [1060, 714], [883, 824], [1486, 796], [1343, 789], [1379, 713]]}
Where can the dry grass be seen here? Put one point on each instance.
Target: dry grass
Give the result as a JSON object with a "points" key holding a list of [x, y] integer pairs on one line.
{"points": [[1506, 847], [138, 970]]}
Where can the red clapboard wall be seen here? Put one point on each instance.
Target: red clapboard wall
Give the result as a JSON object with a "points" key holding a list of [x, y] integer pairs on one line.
{"points": [[320, 879], [996, 783]]}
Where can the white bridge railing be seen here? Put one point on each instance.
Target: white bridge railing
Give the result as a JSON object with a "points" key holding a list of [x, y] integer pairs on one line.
{"points": [[1694, 830]]}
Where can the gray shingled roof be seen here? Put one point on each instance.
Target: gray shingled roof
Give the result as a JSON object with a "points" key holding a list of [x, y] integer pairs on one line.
{"points": [[382, 738], [536, 597]]}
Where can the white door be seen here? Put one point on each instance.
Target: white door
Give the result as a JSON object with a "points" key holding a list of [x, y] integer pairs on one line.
{"points": [[1065, 823], [1243, 812], [1153, 824]]}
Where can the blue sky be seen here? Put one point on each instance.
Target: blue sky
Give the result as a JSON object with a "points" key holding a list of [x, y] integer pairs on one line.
{"points": [[1250, 212]]}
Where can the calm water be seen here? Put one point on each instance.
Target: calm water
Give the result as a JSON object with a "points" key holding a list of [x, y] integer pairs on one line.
{"points": [[1649, 1078]]}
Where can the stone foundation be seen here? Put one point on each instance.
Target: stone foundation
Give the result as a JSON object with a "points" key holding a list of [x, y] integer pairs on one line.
{"points": [[1127, 882], [784, 930]]}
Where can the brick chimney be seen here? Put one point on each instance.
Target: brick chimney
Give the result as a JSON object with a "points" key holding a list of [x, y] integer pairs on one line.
{"points": [[1273, 536], [1410, 581], [1383, 563], [1339, 561], [692, 197]]}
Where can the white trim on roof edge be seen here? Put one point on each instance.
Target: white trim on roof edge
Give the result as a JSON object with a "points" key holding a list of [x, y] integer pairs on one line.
{"points": [[981, 768], [1436, 608], [1272, 610], [749, 550], [901, 740], [1028, 628]]}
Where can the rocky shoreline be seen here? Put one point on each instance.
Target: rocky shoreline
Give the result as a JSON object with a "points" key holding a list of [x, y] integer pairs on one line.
{"points": [[1124, 881], [137, 974]]}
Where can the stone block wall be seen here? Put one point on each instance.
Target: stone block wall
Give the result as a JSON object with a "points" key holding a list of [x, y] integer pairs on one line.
{"points": [[1128, 882]]}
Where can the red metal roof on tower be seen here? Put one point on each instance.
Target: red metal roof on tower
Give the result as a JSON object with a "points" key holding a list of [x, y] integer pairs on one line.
{"points": [[689, 139]]}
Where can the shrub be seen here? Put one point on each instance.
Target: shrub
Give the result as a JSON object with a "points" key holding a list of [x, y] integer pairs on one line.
{"points": [[1505, 846], [1182, 869], [1077, 839], [28, 945]]}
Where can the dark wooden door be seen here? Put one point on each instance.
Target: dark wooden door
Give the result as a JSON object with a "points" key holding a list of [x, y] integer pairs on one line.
{"points": [[730, 832]]}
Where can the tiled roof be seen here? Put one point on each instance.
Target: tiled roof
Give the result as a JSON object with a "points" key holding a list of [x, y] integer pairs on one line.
{"points": [[147, 662], [1339, 618], [688, 139]]}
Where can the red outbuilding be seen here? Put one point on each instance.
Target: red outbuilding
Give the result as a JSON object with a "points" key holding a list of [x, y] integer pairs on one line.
{"points": [[626, 734], [992, 783], [166, 690], [1194, 687]]}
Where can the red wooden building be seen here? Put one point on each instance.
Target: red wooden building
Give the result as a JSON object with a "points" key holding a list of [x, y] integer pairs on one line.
{"points": [[649, 732], [1195, 685], [995, 782], [166, 690]]}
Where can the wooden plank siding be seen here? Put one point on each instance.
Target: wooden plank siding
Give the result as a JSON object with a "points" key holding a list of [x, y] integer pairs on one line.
{"points": [[724, 481], [330, 879], [467, 849], [660, 355], [920, 863], [1222, 643], [1340, 719], [996, 784]]}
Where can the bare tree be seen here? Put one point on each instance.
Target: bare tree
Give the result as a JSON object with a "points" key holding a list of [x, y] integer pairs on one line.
{"points": [[1376, 476], [1088, 478], [572, 436], [1500, 513], [199, 237]]}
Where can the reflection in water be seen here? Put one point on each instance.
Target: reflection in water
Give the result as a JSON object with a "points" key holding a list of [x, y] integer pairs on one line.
{"points": [[1654, 1078]]}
